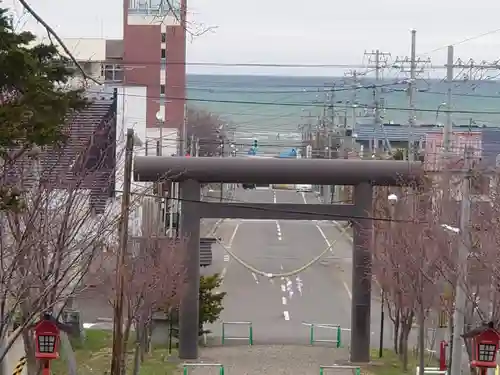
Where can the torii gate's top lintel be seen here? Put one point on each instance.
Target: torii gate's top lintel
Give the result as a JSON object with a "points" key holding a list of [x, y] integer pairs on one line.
{"points": [[276, 171]]}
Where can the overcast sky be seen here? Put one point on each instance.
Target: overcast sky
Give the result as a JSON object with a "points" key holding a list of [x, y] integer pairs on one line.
{"points": [[300, 32]]}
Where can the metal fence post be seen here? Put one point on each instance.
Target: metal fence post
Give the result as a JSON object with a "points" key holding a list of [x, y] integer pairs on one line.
{"points": [[223, 334], [339, 336], [311, 334], [250, 334]]}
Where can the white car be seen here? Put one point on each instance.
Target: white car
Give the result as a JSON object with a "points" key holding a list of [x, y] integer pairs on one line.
{"points": [[303, 188]]}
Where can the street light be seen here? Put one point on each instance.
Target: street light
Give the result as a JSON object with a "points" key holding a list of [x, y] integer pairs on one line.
{"points": [[443, 104]]}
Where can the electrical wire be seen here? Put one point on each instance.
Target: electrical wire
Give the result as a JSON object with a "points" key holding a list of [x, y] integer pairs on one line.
{"points": [[318, 105], [284, 274]]}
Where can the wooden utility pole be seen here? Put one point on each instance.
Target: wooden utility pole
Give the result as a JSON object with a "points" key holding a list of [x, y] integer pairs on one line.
{"points": [[117, 354]]}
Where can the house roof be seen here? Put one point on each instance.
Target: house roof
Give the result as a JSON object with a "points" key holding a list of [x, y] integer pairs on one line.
{"points": [[87, 159], [400, 132]]}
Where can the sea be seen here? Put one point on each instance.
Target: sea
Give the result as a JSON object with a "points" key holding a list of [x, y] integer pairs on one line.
{"points": [[274, 109]]}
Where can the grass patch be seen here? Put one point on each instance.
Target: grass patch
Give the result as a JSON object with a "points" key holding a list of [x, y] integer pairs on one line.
{"points": [[390, 363], [93, 357]]}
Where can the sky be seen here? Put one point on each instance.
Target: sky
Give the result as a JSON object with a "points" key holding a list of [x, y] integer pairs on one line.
{"points": [[298, 32]]}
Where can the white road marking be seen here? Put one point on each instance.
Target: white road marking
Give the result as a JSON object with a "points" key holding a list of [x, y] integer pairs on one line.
{"points": [[283, 300], [347, 289], [274, 197], [281, 267], [255, 277], [324, 237], [278, 230], [283, 288], [229, 245], [299, 284], [303, 197], [286, 315], [222, 275], [88, 325], [226, 258]]}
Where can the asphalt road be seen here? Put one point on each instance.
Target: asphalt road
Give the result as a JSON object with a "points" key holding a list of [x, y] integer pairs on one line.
{"points": [[281, 308]]}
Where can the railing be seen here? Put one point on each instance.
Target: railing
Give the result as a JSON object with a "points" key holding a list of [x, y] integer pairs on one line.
{"points": [[154, 7], [335, 327], [249, 337], [322, 368], [185, 367]]}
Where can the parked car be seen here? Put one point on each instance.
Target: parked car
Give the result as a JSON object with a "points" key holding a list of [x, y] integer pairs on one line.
{"points": [[303, 187]]}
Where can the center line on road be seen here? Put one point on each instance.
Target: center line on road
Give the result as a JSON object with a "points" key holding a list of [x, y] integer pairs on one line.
{"points": [[283, 300], [286, 315]]}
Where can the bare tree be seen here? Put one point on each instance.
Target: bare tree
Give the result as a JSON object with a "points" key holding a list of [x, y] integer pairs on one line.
{"points": [[61, 220], [154, 278], [208, 129], [407, 263]]}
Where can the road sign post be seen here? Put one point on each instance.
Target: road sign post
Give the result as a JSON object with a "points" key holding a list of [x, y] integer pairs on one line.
{"points": [[322, 368], [185, 367], [336, 327], [250, 332]]}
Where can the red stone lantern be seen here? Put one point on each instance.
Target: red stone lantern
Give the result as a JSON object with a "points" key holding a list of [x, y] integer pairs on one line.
{"points": [[442, 355], [47, 338], [484, 346]]}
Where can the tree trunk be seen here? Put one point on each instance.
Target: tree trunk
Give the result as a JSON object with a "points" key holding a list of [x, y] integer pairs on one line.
{"points": [[137, 350], [403, 344], [421, 340], [69, 354], [397, 325]]}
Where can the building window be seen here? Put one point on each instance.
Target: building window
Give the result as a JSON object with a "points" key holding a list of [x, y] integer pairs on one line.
{"points": [[163, 37], [163, 53], [162, 89], [112, 72]]}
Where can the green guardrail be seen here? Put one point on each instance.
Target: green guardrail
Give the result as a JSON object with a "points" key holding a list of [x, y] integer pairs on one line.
{"points": [[322, 368], [249, 337], [186, 366], [335, 327]]}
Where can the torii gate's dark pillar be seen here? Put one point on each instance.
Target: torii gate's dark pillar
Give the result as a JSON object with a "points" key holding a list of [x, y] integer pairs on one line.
{"points": [[361, 274], [189, 307]]}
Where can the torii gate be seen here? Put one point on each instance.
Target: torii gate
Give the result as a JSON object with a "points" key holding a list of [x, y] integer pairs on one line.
{"points": [[363, 174]]}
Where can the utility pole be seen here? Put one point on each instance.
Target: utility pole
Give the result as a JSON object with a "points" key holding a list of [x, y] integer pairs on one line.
{"points": [[192, 146], [463, 253], [118, 307], [222, 142], [414, 66], [379, 59], [449, 80], [411, 85]]}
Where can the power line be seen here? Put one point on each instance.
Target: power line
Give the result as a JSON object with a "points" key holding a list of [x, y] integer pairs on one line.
{"points": [[297, 104]]}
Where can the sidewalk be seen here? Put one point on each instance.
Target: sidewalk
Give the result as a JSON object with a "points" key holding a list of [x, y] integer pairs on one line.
{"points": [[271, 360], [15, 353]]}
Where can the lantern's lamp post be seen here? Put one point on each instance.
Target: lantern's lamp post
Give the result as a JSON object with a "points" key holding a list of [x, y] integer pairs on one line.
{"points": [[483, 342], [47, 338]]}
